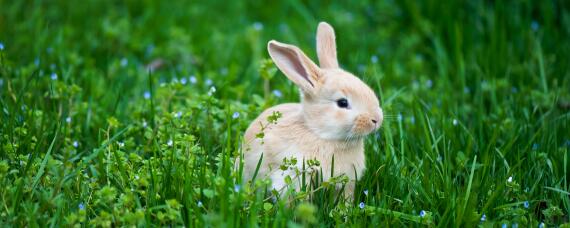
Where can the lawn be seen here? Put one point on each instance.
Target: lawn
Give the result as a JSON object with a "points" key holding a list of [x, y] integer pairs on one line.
{"points": [[131, 113]]}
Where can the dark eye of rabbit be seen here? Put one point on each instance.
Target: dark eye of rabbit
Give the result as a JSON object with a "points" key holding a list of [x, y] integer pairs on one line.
{"points": [[342, 103]]}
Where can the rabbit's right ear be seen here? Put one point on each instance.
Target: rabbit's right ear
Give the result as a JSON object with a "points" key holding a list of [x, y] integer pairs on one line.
{"points": [[295, 65], [326, 46]]}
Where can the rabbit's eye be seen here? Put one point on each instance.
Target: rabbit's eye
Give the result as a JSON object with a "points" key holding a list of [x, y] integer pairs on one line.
{"points": [[342, 103]]}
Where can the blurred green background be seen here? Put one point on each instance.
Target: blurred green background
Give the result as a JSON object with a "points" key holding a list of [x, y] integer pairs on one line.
{"points": [[98, 96]]}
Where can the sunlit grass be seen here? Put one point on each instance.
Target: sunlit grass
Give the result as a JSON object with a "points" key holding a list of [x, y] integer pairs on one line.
{"points": [[132, 113]]}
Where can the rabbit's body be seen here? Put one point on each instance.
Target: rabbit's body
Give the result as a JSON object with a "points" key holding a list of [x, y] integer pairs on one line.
{"points": [[290, 137], [337, 111]]}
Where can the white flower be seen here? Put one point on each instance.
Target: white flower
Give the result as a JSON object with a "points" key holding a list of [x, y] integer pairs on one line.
{"points": [[169, 143], [454, 122], [144, 124], [53, 76], [200, 204], [146, 95], [510, 179], [68, 119], [212, 90], [137, 177], [366, 192], [258, 26], [75, 144], [121, 144]]}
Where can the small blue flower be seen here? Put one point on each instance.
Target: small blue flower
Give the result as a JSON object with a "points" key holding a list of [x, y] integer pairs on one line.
{"points": [[235, 115], [178, 114], [515, 225], [454, 122], [258, 26], [68, 119], [400, 117], [224, 71], [483, 218], [169, 143], [422, 213], [374, 59], [81, 206], [146, 95], [541, 225], [183, 81], [277, 93], [413, 120], [193, 79], [144, 123], [535, 146], [124, 62], [37, 61], [200, 204], [534, 25], [209, 82], [526, 204], [53, 76], [366, 192], [504, 225], [75, 144], [1, 46], [361, 205], [236, 188], [429, 83]]}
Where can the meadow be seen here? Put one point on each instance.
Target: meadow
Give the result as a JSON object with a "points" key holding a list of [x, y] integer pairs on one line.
{"points": [[131, 113]]}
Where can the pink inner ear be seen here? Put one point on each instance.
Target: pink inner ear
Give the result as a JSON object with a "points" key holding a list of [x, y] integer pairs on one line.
{"points": [[293, 59]]}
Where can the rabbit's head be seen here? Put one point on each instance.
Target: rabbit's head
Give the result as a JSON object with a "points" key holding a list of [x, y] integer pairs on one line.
{"points": [[335, 103]]}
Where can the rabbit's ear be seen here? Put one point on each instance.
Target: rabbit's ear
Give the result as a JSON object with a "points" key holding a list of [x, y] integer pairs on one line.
{"points": [[326, 46], [295, 65]]}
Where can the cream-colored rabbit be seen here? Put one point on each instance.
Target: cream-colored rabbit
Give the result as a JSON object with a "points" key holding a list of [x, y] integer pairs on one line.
{"points": [[336, 112]]}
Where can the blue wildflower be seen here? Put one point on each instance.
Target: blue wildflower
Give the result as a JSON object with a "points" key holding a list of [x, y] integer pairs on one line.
{"points": [[183, 81], [53, 76], [200, 204], [277, 93], [483, 218], [193, 79], [422, 213], [366, 192], [124, 62], [429, 83], [235, 115], [146, 95], [236, 188], [1, 46], [535, 146], [374, 59], [81, 206], [526, 204], [361, 205], [534, 25], [258, 26]]}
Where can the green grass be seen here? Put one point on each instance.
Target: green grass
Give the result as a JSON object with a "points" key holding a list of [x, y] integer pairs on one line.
{"points": [[476, 96]]}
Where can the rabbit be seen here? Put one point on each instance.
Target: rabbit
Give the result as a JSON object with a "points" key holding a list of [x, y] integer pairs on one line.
{"points": [[336, 112]]}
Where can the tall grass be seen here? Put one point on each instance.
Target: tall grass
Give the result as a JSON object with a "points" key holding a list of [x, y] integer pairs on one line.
{"points": [[131, 113]]}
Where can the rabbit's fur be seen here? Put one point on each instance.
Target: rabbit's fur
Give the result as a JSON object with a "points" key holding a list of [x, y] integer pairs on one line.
{"points": [[318, 127]]}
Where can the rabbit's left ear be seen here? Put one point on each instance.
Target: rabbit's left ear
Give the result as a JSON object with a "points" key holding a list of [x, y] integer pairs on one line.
{"points": [[326, 46]]}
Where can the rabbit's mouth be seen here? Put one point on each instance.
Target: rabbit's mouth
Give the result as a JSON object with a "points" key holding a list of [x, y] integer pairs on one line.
{"points": [[365, 124]]}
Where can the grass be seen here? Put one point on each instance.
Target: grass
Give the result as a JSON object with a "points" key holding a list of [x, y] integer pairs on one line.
{"points": [[476, 96]]}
